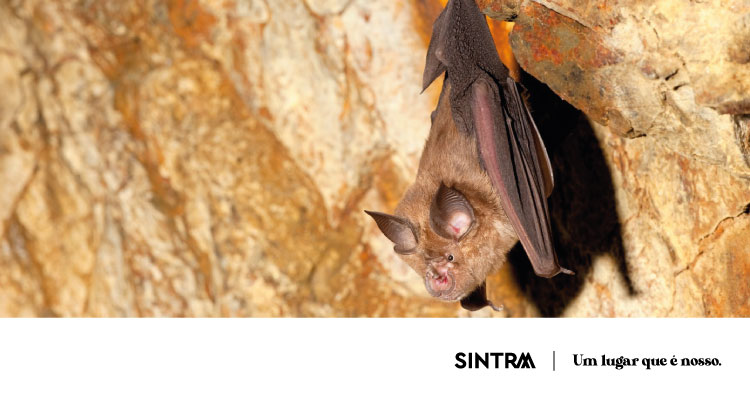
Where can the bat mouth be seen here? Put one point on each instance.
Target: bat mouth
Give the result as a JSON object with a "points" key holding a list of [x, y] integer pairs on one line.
{"points": [[440, 285]]}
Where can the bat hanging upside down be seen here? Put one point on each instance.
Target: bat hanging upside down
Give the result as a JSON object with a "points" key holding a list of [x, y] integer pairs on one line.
{"points": [[484, 176]]}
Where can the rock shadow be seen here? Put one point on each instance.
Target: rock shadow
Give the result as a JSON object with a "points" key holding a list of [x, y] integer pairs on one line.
{"points": [[582, 206]]}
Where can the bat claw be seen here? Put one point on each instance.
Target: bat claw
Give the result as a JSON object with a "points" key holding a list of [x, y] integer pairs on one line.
{"points": [[494, 307], [566, 271]]}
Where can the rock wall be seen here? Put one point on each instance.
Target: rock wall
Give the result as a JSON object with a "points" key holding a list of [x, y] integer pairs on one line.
{"points": [[666, 85], [212, 158]]}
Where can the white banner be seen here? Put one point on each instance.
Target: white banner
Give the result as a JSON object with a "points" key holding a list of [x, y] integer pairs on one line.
{"points": [[372, 358]]}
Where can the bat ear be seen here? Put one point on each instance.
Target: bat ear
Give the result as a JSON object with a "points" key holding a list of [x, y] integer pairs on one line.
{"points": [[398, 230], [435, 62], [451, 215]]}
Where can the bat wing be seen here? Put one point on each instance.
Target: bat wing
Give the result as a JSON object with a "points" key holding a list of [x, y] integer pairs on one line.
{"points": [[517, 164], [477, 299], [435, 64], [486, 102]]}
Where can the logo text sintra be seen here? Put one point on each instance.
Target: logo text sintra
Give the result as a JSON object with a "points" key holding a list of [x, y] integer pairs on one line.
{"points": [[494, 360]]}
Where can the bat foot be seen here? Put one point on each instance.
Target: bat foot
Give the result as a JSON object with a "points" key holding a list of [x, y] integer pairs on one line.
{"points": [[566, 271], [494, 307]]}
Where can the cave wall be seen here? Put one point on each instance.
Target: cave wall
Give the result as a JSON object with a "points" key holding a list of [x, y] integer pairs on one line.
{"points": [[666, 86], [212, 158]]}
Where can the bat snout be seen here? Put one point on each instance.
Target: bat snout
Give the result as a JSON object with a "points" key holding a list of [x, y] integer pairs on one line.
{"points": [[440, 283], [441, 269]]}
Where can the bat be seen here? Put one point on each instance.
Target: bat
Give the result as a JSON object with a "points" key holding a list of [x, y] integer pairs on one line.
{"points": [[484, 175]]}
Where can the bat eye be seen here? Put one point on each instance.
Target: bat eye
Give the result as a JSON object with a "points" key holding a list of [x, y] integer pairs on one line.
{"points": [[450, 258]]}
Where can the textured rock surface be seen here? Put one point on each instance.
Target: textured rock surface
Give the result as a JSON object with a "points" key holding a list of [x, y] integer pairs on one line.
{"points": [[212, 158], [675, 78]]}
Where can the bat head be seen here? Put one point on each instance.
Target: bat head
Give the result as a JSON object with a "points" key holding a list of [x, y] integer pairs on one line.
{"points": [[450, 226], [452, 244]]}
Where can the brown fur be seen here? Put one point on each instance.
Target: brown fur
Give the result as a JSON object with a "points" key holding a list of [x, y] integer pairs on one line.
{"points": [[450, 157]]}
